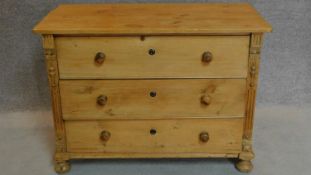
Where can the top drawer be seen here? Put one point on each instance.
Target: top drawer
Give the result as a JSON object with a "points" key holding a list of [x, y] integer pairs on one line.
{"points": [[152, 57]]}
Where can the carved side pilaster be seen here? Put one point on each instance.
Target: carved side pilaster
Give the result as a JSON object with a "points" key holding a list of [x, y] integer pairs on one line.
{"points": [[252, 79], [247, 154], [52, 70]]}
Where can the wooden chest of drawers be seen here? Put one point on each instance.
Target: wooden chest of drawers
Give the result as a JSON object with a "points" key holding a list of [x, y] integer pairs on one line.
{"points": [[153, 80]]}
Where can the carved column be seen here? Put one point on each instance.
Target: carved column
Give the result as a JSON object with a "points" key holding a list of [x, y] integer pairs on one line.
{"points": [[247, 154], [252, 79], [61, 165]]}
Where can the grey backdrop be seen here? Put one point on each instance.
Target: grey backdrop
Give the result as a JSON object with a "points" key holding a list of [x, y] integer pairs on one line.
{"points": [[285, 67]]}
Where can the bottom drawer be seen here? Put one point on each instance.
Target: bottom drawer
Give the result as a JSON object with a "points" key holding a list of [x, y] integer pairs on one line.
{"points": [[155, 136]]}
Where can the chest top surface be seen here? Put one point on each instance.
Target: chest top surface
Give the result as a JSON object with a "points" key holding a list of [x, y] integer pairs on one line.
{"points": [[159, 19]]}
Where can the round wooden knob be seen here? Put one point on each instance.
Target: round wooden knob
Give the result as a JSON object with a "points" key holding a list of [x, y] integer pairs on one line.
{"points": [[204, 137], [102, 100], [206, 99], [105, 135], [207, 57], [99, 58]]}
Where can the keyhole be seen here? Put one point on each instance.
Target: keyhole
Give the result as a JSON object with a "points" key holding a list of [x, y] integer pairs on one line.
{"points": [[151, 51], [153, 94], [153, 131]]}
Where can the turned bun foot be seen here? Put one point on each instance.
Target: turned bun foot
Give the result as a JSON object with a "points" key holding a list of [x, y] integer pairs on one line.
{"points": [[61, 167], [244, 166]]}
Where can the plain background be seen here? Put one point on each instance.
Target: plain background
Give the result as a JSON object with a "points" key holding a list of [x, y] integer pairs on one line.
{"points": [[282, 135]]}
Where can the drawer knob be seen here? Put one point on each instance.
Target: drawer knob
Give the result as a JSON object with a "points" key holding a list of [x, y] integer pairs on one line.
{"points": [[100, 57], [102, 100], [105, 135], [151, 51], [207, 57], [206, 99], [204, 137]]}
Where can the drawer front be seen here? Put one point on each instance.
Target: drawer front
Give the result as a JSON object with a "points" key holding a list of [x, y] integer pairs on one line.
{"points": [[155, 136], [129, 99], [152, 57]]}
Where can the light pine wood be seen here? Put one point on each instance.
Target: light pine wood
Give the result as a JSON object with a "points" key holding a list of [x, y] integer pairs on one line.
{"points": [[150, 19], [130, 99], [247, 154], [252, 79], [244, 164], [105, 155], [175, 57], [61, 164], [199, 61], [52, 70], [133, 136]]}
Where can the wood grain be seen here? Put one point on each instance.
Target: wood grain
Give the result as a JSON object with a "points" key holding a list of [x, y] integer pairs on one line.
{"points": [[133, 136], [247, 154], [252, 81], [107, 155], [164, 103], [175, 57], [53, 76], [151, 19], [130, 99]]}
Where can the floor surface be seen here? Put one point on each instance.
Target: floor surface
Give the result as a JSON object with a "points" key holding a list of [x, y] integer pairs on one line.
{"points": [[282, 144]]}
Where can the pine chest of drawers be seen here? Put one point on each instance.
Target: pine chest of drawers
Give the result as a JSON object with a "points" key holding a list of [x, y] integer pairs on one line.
{"points": [[153, 80]]}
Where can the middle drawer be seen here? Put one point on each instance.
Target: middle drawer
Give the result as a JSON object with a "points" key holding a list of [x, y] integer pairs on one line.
{"points": [[154, 99]]}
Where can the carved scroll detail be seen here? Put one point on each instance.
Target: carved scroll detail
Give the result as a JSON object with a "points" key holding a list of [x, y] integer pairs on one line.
{"points": [[52, 70], [245, 164], [247, 151]]}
